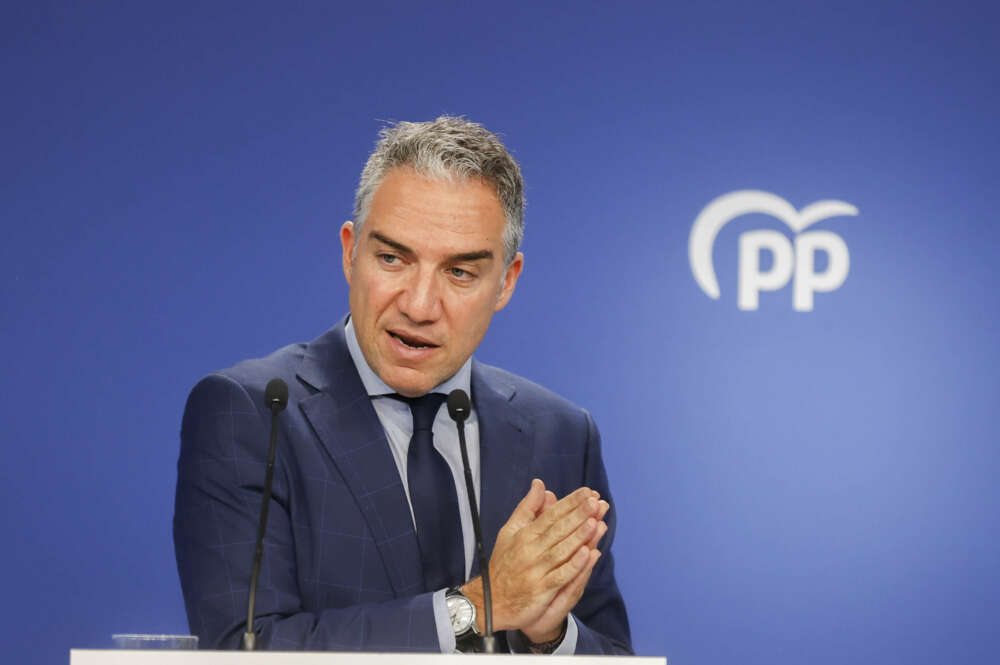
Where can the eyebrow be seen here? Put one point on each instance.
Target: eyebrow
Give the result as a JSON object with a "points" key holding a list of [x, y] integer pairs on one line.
{"points": [[472, 256], [463, 256], [392, 243]]}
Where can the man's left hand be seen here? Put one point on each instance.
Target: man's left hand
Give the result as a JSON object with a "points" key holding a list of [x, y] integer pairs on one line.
{"points": [[550, 625]]}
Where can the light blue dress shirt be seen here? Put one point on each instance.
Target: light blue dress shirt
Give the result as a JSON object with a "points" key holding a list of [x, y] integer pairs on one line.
{"points": [[397, 421]]}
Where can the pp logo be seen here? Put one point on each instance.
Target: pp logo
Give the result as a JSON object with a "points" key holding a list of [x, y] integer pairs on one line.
{"points": [[790, 260]]}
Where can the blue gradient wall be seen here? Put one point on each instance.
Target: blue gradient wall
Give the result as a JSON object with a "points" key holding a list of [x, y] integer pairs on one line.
{"points": [[793, 486]]}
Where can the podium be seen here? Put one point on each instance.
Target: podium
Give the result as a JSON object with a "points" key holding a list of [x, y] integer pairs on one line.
{"points": [[150, 657]]}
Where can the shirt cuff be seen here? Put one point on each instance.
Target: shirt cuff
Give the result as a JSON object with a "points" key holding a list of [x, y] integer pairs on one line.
{"points": [[567, 647], [446, 635]]}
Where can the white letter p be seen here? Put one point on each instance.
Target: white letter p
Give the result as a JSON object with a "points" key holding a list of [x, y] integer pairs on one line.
{"points": [[807, 281], [752, 280]]}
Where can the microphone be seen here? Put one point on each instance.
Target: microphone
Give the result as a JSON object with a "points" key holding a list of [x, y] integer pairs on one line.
{"points": [[459, 410], [276, 397]]}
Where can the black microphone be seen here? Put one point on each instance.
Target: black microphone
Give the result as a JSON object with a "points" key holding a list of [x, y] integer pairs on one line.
{"points": [[276, 397], [459, 410]]}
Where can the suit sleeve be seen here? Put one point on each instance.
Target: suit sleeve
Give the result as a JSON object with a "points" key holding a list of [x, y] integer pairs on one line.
{"points": [[220, 481], [600, 615]]}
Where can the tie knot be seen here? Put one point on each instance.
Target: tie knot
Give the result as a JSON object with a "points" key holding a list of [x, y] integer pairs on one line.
{"points": [[424, 409]]}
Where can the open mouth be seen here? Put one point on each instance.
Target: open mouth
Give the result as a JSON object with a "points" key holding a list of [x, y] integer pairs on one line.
{"points": [[412, 342]]}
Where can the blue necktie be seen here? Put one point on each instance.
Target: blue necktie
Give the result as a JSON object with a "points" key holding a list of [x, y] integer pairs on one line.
{"points": [[434, 499]]}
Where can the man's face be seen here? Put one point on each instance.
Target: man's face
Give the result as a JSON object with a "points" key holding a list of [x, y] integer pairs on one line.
{"points": [[426, 277]]}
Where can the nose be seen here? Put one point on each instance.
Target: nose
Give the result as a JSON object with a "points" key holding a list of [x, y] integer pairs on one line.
{"points": [[420, 298]]}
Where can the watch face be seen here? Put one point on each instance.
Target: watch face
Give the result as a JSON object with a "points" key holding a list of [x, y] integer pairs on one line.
{"points": [[462, 613]]}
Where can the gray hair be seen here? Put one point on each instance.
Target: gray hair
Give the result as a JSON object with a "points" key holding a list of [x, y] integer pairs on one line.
{"points": [[447, 148]]}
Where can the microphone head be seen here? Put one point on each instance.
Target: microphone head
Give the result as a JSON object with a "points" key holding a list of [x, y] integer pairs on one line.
{"points": [[276, 394], [458, 405]]}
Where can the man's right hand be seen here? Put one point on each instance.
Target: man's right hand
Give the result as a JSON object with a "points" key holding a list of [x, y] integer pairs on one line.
{"points": [[545, 547]]}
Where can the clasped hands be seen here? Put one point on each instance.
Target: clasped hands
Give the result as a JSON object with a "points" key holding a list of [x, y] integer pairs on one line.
{"points": [[542, 560]]}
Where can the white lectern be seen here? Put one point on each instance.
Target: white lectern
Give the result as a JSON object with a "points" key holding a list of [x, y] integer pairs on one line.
{"points": [[149, 657]]}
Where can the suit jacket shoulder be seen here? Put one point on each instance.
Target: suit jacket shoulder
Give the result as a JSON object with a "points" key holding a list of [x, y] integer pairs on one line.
{"points": [[527, 395]]}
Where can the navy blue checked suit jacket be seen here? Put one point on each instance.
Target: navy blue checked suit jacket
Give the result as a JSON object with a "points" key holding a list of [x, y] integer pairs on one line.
{"points": [[341, 566]]}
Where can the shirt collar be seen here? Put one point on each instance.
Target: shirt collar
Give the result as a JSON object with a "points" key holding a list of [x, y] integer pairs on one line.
{"points": [[375, 386]]}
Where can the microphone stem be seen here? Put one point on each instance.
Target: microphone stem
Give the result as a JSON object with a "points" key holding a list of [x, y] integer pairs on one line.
{"points": [[489, 641], [249, 636]]}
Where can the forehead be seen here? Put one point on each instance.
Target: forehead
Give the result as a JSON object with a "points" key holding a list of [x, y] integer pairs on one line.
{"points": [[409, 203]]}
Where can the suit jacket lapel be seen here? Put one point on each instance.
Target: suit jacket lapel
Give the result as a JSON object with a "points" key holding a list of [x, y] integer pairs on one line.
{"points": [[504, 452], [343, 418]]}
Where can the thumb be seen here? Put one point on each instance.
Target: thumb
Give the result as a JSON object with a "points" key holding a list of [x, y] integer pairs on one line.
{"points": [[529, 506]]}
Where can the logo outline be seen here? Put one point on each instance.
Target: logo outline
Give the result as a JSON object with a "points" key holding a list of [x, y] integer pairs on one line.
{"points": [[724, 209]]}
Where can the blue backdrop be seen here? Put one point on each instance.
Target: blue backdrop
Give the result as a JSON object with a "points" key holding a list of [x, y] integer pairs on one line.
{"points": [[794, 486]]}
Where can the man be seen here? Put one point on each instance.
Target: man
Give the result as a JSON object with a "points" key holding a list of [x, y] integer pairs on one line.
{"points": [[369, 544]]}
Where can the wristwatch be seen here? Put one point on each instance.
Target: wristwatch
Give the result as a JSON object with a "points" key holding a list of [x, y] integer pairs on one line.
{"points": [[462, 612]]}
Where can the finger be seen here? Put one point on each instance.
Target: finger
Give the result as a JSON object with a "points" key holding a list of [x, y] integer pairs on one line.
{"points": [[550, 498], [602, 528], [560, 576], [565, 507], [560, 552], [528, 507], [562, 529], [603, 509], [569, 595]]}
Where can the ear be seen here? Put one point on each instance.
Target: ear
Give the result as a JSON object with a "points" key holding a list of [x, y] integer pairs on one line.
{"points": [[347, 246], [509, 281]]}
